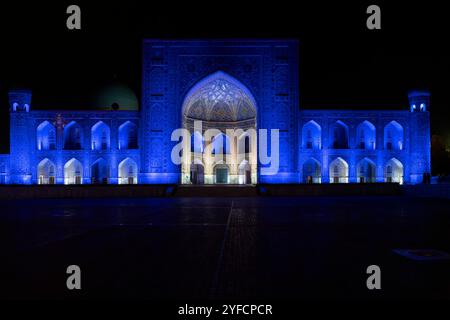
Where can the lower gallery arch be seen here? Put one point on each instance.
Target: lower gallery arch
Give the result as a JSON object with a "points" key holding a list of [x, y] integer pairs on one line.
{"points": [[366, 170], [99, 172], [338, 171], [393, 171], [197, 173], [128, 170], [245, 173], [221, 174], [46, 172], [311, 171], [73, 172]]}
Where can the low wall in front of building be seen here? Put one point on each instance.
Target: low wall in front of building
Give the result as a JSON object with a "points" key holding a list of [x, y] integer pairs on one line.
{"points": [[166, 190], [427, 190], [84, 191], [341, 189]]}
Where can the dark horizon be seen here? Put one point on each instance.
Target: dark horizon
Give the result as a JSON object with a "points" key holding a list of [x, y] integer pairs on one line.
{"points": [[342, 64]]}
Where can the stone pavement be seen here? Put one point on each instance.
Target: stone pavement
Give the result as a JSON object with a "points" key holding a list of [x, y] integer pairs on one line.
{"points": [[214, 248]]}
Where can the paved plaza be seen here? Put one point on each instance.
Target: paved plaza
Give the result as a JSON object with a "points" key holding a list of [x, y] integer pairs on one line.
{"points": [[216, 248]]}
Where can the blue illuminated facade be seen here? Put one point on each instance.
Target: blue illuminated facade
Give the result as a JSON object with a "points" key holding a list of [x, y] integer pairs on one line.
{"points": [[124, 147]]}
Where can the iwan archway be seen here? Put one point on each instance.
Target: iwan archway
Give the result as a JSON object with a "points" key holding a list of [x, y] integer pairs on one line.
{"points": [[220, 115], [176, 72]]}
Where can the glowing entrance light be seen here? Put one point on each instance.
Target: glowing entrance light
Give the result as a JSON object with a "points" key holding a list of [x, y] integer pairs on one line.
{"points": [[222, 104]]}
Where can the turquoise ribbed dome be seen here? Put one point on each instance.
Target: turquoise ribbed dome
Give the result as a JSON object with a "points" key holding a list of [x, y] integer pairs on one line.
{"points": [[116, 96]]}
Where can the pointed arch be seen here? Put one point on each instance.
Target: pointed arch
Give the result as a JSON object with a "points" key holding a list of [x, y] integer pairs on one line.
{"points": [[100, 172], [393, 136], [311, 171], [220, 144], [128, 171], [73, 172], [128, 136], [100, 136], [366, 136], [312, 135], [365, 170], [339, 135], [338, 171], [218, 84], [46, 136], [73, 136], [245, 172], [197, 173], [393, 171], [223, 102], [46, 172], [245, 145], [197, 142]]}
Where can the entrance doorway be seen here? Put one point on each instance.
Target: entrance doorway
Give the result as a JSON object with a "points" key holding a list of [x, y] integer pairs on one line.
{"points": [[221, 174]]}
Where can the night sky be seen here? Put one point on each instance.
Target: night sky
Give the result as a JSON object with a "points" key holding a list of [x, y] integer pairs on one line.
{"points": [[343, 65]]}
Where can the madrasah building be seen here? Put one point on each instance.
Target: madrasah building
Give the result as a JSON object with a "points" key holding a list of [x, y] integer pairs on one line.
{"points": [[226, 84]]}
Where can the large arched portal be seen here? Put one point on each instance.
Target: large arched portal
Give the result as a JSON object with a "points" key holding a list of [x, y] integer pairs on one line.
{"points": [[220, 114]]}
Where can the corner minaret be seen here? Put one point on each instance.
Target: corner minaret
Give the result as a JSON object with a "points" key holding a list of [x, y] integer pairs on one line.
{"points": [[420, 146], [20, 136], [419, 101]]}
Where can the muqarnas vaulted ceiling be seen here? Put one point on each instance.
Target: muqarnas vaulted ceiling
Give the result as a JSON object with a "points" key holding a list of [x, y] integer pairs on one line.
{"points": [[220, 100]]}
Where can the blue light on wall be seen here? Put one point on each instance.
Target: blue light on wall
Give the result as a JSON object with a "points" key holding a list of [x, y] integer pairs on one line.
{"points": [[122, 147]]}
